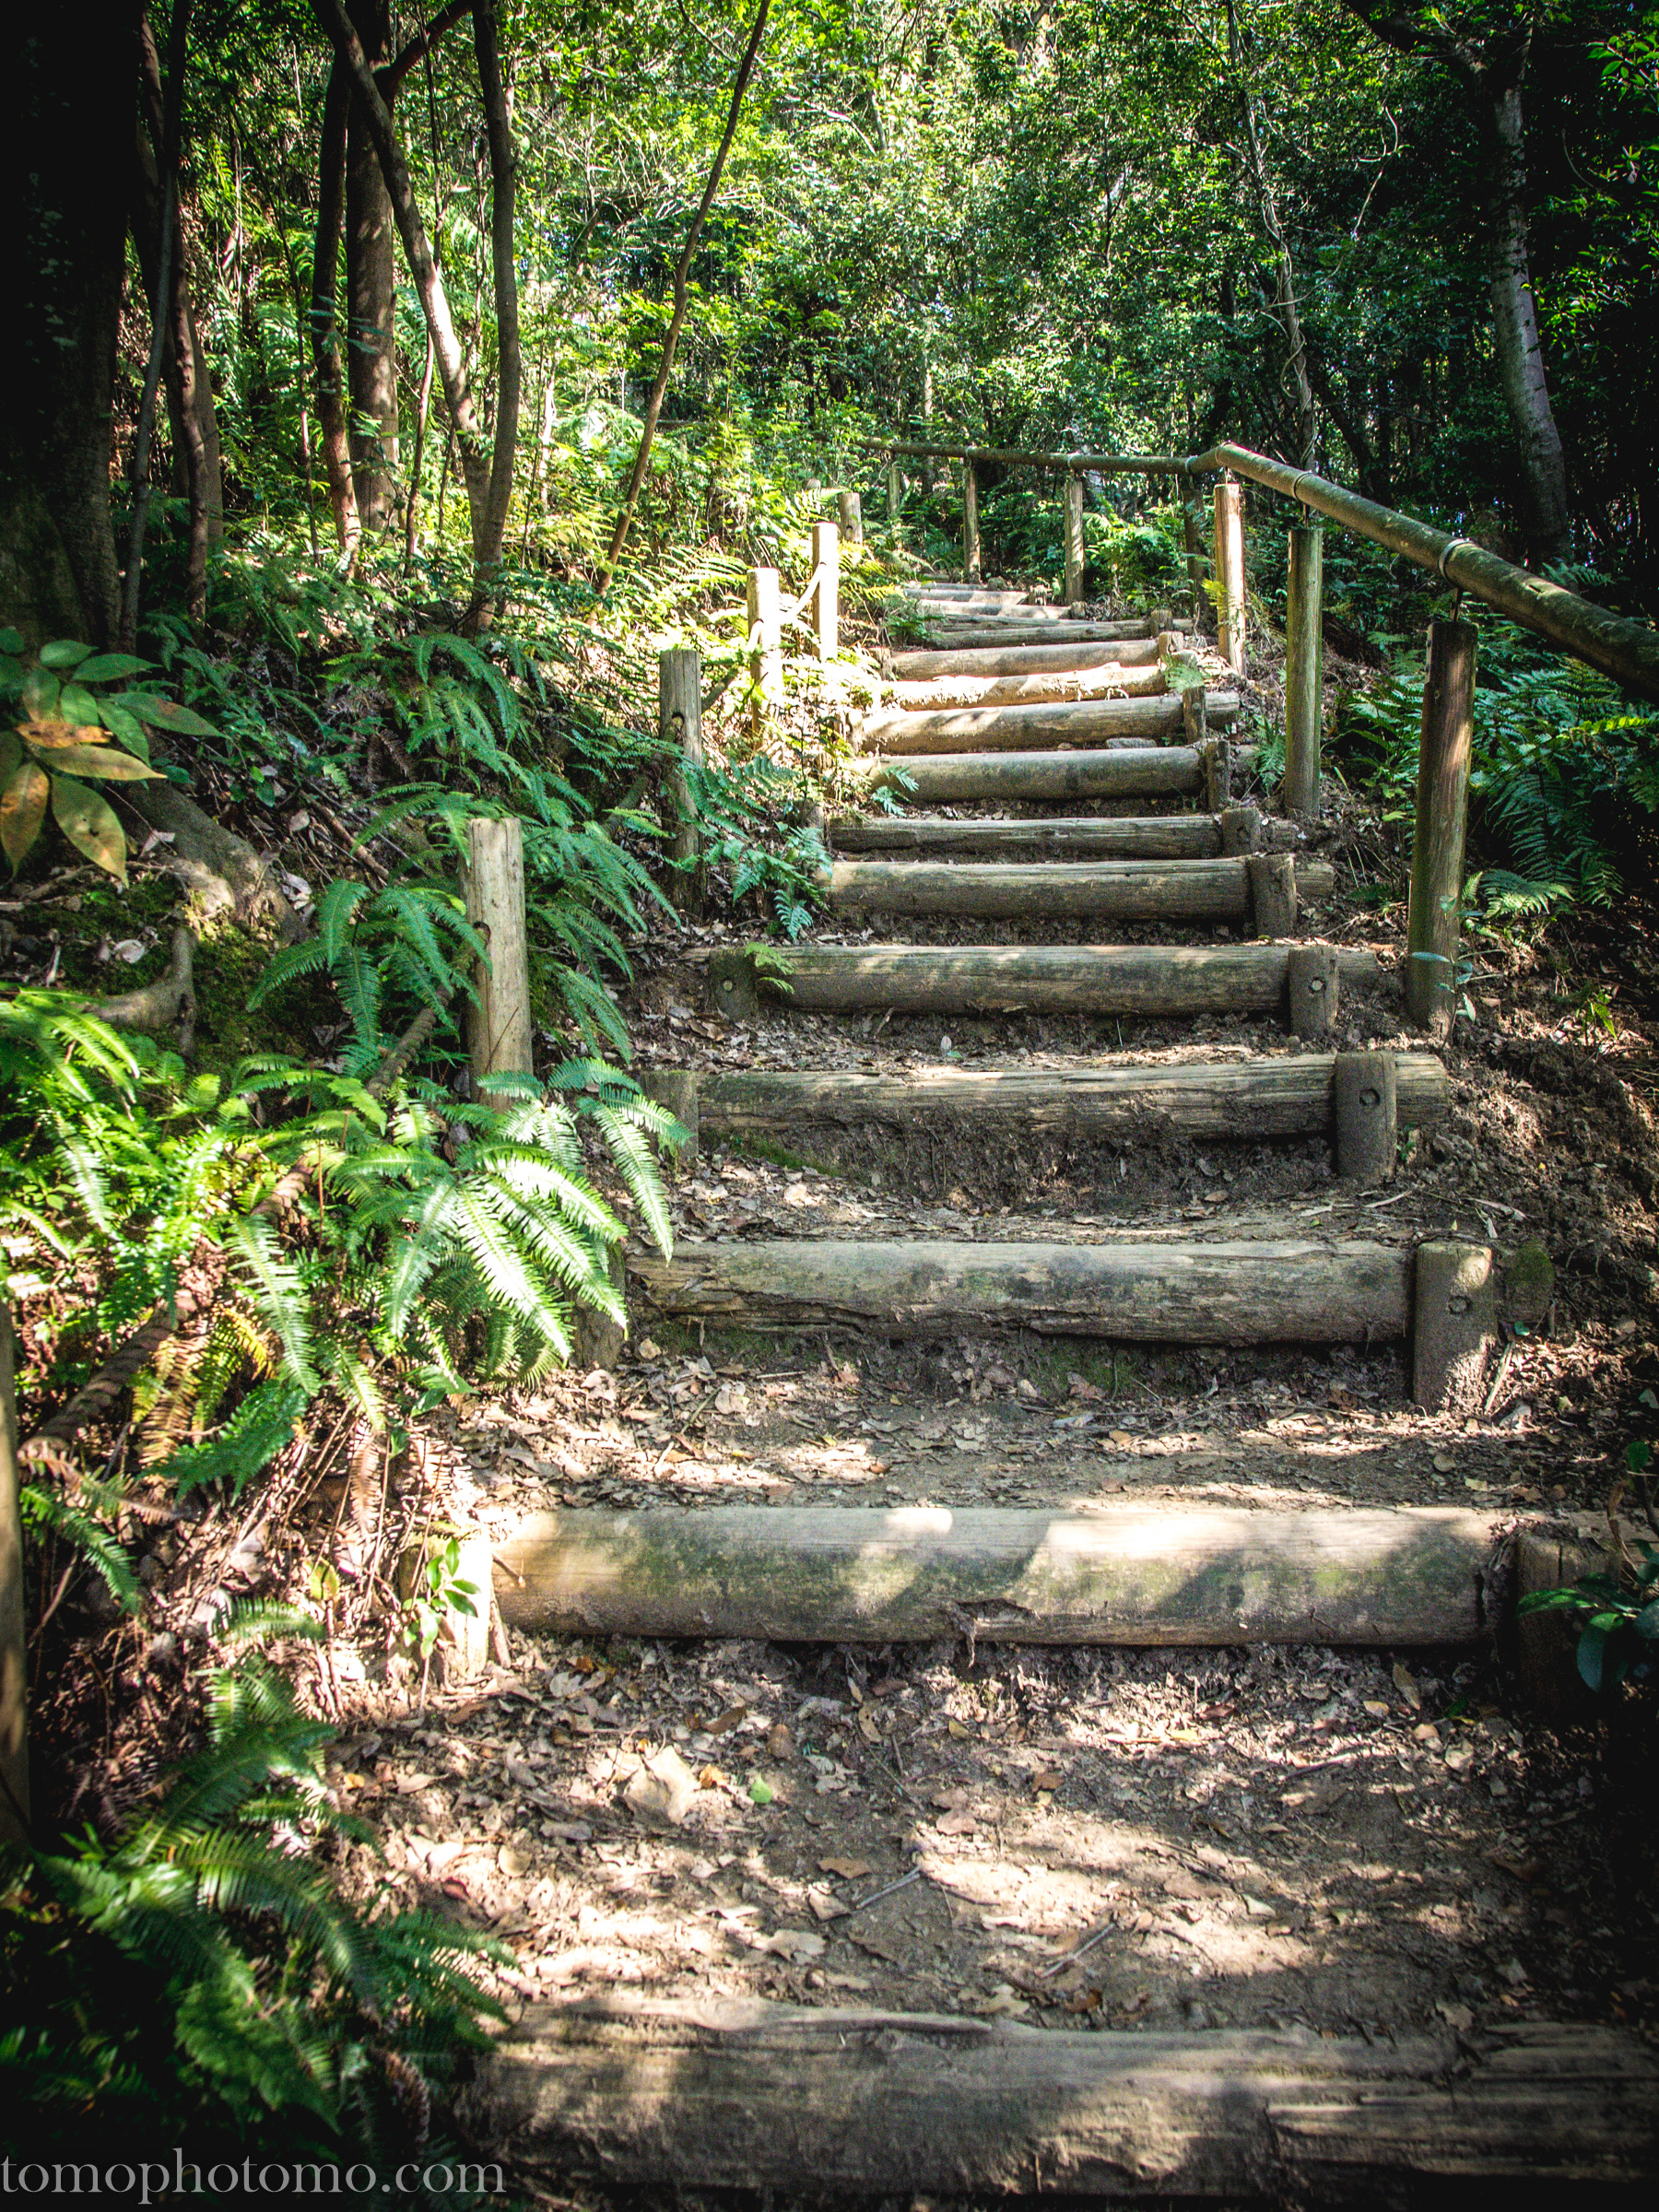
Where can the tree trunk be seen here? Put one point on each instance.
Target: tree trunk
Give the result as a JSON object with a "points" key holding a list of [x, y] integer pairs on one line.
{"points": [[191, 417], [490, 534], [653, 405], [73, 87], [451, 365], [324, 313], [371, 295], [1516, 333]]}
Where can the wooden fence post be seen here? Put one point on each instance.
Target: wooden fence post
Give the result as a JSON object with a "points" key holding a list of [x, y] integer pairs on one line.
{"points": [[1074, 539], [849, 507], [826, 598], [1442, 807], [895, 491], [499, 1027], [679, 726], [766, 640], [1229, 572], [1195, 561], [14, 1651], [1304, 671], [970, 542]]}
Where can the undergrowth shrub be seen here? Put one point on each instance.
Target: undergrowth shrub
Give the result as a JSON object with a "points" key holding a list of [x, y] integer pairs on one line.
{"points": [[204, 1981]]}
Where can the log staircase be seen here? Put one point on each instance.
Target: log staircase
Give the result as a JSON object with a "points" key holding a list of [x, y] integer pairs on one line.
{"points": [[1061, 844]]}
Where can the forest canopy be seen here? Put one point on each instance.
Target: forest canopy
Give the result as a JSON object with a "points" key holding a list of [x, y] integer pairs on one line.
{"points": [[1320, 231]]}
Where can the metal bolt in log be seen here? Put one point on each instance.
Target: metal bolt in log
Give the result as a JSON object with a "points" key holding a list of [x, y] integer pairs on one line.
{"points": [[1442, 808], [1365, 1107], [1074, 540], [1454, 1326], [499, 1026], [679, 726], [1311, 988], [1229, 572], [849, 507], [971, 537], [1240, 829], [1272, 893], [733, 992], [766, 640], [1304, 671], [826, 597]]}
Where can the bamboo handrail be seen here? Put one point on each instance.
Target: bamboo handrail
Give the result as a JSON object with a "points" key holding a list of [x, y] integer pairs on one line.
{"points": [[1619, 646]]}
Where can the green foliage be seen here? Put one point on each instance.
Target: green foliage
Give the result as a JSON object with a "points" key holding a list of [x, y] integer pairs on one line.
{"points": [[203, 1979], [743, 812], [1562, 775], [439, 1589]]}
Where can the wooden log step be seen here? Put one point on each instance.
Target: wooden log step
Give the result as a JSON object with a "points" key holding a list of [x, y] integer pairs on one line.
{"points": [[1118, 1575], [1111, 680], [952, 635], [1145, 982], [1197, 1101], [1129, 837], [1018, 729], [964, 598], [1119, 890], [1285, 1290], [737, 2094], [1150, 771], [1027, 660]]}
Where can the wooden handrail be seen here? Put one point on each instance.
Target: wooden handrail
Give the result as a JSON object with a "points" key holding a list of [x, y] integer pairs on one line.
{"points": [[1619, 646], [1626, 650]]}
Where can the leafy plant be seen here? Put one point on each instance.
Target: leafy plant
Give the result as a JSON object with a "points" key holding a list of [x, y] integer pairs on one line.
{"points": [[204, 1979], [744, 812], [58, 714], [1618, 1614]]}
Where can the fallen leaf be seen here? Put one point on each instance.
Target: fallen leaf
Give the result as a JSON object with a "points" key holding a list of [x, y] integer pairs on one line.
{"points": [[1122, 1439], [780, 1744], [867, 1728], [846, 1870], [1457, 2016], [956, 1729], [761, 1793], [1000, 2004], [1376, 1708], [826, 1906], [797, 1943], [949, 1801], [956, 1824], [1048, 1780], [1407, 1686], [728, 1719], [1459, 1758], [663, 1790]]}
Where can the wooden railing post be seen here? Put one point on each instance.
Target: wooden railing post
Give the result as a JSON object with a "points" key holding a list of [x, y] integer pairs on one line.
{"points": [[1229, 572], [14, 1648], [1074, 539], [679, 726], [895, 491], [1304, 670], [970, 539], [850, 508], [826, 597], [766, 640], [1442, 806], [498, 1029]]}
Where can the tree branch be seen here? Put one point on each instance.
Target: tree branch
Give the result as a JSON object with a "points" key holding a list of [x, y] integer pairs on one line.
{"points": [[653, 406], [419, 46]]}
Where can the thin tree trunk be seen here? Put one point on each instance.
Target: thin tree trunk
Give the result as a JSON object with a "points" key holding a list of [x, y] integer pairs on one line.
{"points": [[325, 312], [183, 344], [653, 405], [371, 294], [412, 512], [1298, 390], [451, 367], [201, 435], [1515, 331], [510, 370], [160, 316]]}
